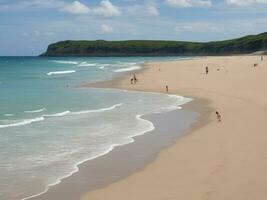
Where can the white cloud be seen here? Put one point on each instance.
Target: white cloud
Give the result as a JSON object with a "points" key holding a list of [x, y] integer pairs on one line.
{"points": [[200, 27], [142, 10], [189, 3], [152, 10], [106, 29], [76, 8], [32, 5], [229, 27], [106, 8], [245, 2]]}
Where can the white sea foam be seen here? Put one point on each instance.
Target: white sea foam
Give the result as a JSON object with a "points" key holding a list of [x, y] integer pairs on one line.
{"points": [[84, 64], [128, 69], [104, 65], [61, 114], [8, 115], [35, 111], [180, 98], [97, 110], [23, 122], [60, 72], [66, 62], [58, 114], [126, 63]]}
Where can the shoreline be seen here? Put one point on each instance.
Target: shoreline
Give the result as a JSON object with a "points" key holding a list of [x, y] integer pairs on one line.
{"points": [[54, 190]]}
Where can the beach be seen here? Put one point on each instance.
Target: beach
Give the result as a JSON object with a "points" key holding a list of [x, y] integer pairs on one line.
{"points": [[215, 160]]}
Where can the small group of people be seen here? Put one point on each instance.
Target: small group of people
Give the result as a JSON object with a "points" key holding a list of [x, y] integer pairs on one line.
{"points": [[134, 79]]}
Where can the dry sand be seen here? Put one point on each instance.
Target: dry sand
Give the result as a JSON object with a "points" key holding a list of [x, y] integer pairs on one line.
{"points": [[219, 161]]}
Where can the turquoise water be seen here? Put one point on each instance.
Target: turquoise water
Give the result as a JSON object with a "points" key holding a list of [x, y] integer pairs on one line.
{"points": [[48, 125]]}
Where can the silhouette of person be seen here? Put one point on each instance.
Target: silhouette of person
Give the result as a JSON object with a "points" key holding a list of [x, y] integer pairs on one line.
{"points": [[134, 78], [219, 117]]}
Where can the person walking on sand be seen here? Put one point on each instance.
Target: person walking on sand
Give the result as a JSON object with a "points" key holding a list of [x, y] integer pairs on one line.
{"points": [[207, 69], [219, 117], [135, 79], [167, 88]]}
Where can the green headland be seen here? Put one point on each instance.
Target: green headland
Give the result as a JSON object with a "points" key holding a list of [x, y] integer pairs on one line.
{"points": [[243, 45]]}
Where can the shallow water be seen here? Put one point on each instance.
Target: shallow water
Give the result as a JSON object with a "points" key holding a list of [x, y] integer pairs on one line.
{"points": [[48, 126]]}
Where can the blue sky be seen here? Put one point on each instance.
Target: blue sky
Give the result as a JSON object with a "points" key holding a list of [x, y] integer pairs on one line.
{"points": [[28, 26]]}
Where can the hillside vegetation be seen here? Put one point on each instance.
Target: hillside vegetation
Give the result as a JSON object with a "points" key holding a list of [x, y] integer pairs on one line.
{"points": [[244, 45]]}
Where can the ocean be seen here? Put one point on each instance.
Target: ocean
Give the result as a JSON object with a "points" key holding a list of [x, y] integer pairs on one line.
{"points": [[48, 125]]}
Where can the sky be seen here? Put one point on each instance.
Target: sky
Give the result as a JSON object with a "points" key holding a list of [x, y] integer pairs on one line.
{"points": [[27, 27]]}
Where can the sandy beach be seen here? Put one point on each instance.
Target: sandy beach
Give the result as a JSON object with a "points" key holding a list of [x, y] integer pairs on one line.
{"points": [[217, 160]]}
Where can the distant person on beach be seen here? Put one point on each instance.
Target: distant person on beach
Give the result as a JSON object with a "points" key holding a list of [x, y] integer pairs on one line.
{"points": [[219, 117], [132, 81], [134, 78], [207, 69], [167, 88]]}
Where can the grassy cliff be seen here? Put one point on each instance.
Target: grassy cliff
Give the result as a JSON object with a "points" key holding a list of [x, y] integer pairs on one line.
{"points": [[247, 44]]}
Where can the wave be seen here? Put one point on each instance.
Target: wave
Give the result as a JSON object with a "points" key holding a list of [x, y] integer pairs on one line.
{"points": [[8, 115], [97, 110], [66, 62], [21, 123], [84, 64], [126, 63], [104, 65], [61, 114], [128, 69], [180, 98], [35, 111], [60, 72], [58, 114]]}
